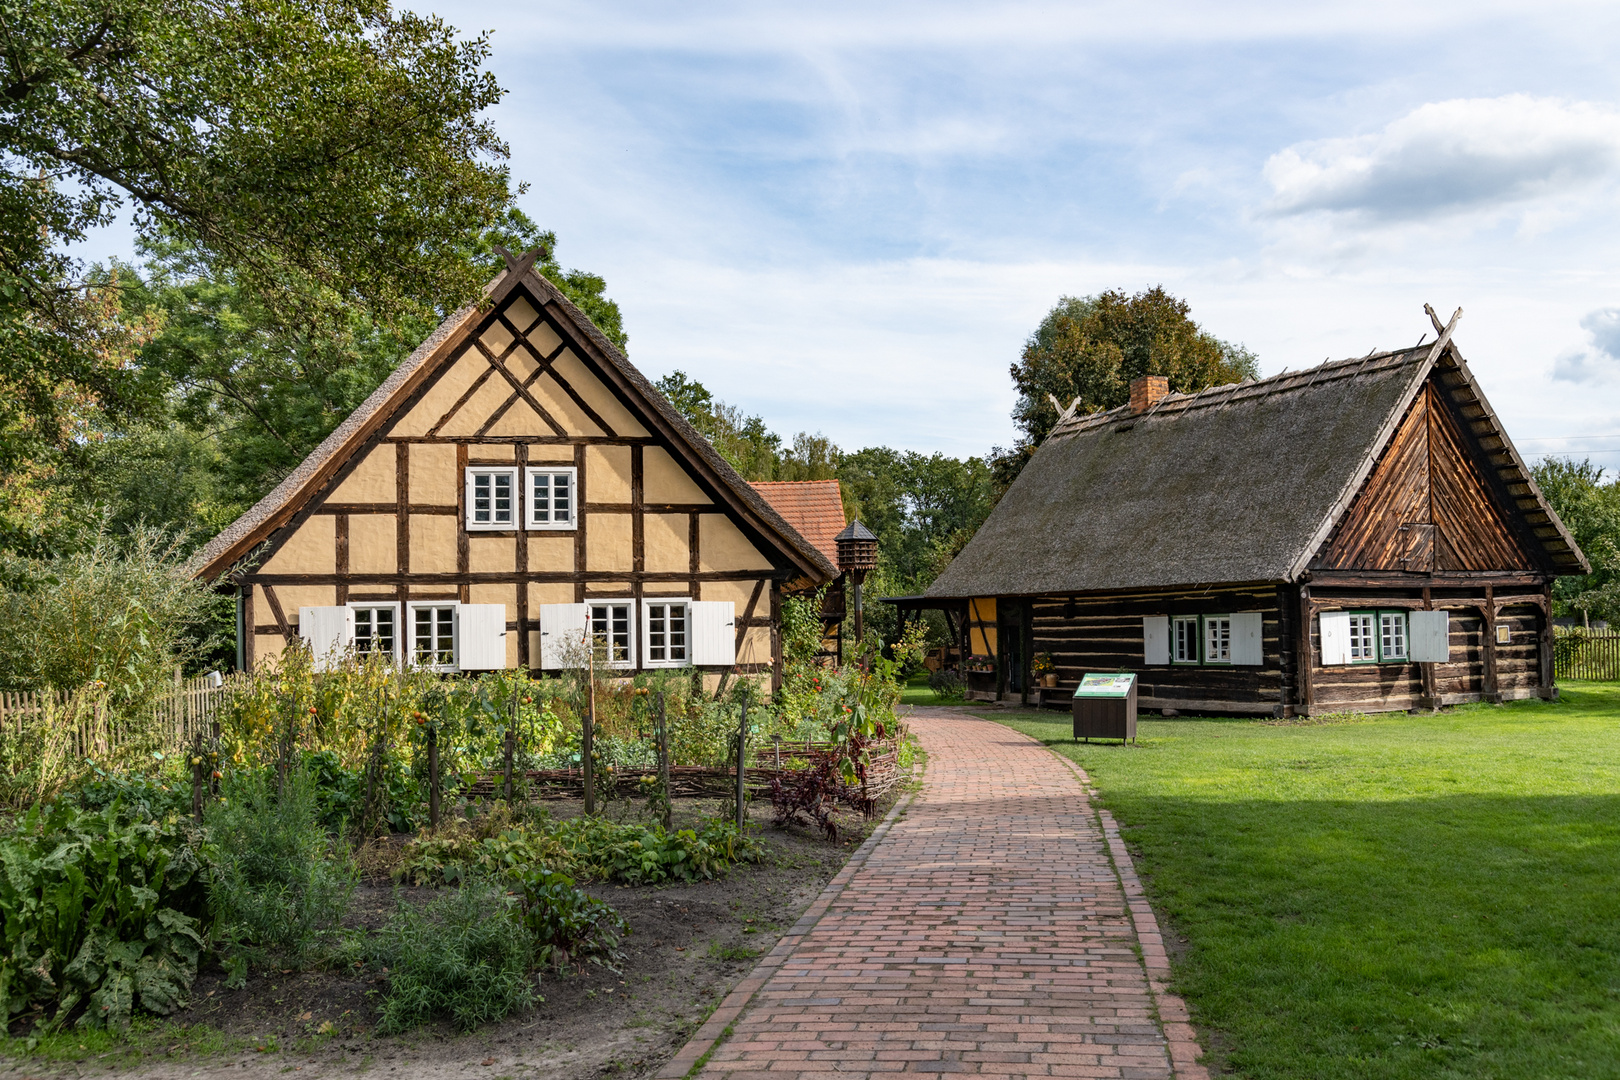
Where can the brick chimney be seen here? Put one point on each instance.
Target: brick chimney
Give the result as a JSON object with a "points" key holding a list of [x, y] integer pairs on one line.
{"points": [[1147, 392]]}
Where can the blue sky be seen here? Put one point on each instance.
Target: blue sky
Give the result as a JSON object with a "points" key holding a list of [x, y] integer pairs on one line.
{"points": [[848, 216]]}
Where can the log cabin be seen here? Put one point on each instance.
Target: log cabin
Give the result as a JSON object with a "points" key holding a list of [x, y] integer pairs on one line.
{"points": [[1361, 535], [512, 487]]}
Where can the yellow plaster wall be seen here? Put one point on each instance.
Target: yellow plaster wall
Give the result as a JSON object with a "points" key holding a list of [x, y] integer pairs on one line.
{"points": [[491, 554], [433, 544], [496, 338], [756, 645], [267, 647], [669, 548], [597, 396], [551, 454], [738, 593], [607, 474], [372, 480], [373, 544], [441, 395], [561, 407], [478, 409], [491, 453], [664, 481], [608, 542], [520, 420], [607, 590], [311, 549], [722, 546], [293, 597], [548, 592], [520, 313], [551, 552], [495, 592], [433, 475], [544, 339], [982, 639]]}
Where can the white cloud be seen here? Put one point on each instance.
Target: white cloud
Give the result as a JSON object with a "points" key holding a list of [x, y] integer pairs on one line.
{"points": [[1604, 326], [1595, 364], [1475, 154]]}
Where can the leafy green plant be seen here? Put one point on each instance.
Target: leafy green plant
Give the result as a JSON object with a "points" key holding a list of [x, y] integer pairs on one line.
{"points": [[639, 855], [946, 685], [100, 914], [567, 923], [280, 886], [464, 956]]}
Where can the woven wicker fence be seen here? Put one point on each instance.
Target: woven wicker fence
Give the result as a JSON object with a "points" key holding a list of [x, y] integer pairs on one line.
{"points": [[1587, 656]]}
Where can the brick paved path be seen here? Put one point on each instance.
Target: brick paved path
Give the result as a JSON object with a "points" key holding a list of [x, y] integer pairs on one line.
{"points": [[986, 932]]}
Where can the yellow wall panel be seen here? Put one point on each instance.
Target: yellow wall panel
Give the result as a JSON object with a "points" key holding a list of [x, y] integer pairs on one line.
{"points": [[982, 639], [522, 363], [520, 419], [520, 313], [608, 542], [544, 339], [478, 409], [738, 593], [664, 481], [496, 338], [495, 592], [492, 554], [552, 553], [267, 648], [607, 590], [373, 544], [561, 407], [433, 475], [551, 454], [311, 549], [607, 474], [488, 452], [433, 544], [442, 395], [372, 481], [574, 372], [669, 547], [756, 646], [293, 597], [548, 592], [722, 546]]}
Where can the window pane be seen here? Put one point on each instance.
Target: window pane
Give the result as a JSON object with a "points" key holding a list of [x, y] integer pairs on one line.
{"points": [[656, 630], [561, 494], [481, 498], [362, 630], [1393, 635], [677, 632], [1218, 640], [619, 652], [541, 498], [433, 636], [383, 619], [503, 498], [1361, 638]]}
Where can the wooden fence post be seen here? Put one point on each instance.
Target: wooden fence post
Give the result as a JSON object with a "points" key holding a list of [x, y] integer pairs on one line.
{"points": [[511, 739], [663, 759], [742, 752], [433, 776]]}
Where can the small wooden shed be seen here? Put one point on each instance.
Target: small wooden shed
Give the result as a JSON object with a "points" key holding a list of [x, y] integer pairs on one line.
{"points": [[1357, 535]]}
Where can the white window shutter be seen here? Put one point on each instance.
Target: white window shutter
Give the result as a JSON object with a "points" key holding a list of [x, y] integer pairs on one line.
{"points": [[714, 633], [1155, 639], [329, 631], [1430, 633], [562, 634], [481, 637], [1248, 644], [1335, 637]]}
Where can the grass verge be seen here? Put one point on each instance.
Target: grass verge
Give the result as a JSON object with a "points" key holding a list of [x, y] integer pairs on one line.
{"points": [[1402, 896]]}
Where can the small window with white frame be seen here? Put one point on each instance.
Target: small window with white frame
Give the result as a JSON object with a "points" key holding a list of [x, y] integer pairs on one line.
{"points": [[1184, 639], [551, 497], [613, 630], [1363, 642], [433, 636], [492, 497], [665, 631], [1217, 639], [1392, 637], [376, 629]]}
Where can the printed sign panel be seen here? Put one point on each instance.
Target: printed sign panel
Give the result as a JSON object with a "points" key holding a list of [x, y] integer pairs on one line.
{"points": [[1105, 686]]}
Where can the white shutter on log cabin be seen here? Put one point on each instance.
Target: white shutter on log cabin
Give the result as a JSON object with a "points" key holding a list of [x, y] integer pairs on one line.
{"points": [[1248, 644], [1430, 633], [481, 642], [714, 633], [1155, 639], [562, 634], [328, 630], [1335, 637]]}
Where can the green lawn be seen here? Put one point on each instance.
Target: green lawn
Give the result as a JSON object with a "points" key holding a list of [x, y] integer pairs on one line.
{"points": [[1434, 896]]}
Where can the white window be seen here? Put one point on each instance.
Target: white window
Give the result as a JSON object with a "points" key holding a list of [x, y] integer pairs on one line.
{"points": [[664, 633], [551, 498], [1363, 648], [613, 631], [433, 636], [376, 629], [492, 498], [1392, 636], [1184, 639], [1217, 639]]}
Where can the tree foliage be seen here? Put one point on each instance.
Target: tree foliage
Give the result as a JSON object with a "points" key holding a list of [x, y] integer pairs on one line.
{"points": [[1590, 509]]}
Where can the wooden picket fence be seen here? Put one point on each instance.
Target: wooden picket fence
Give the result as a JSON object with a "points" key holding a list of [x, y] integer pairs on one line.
{"points": [[1588, 656], [182, 713]]}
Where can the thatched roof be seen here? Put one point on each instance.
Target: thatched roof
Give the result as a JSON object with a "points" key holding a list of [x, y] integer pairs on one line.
{"points": [[306, 481], [1235, 484]]}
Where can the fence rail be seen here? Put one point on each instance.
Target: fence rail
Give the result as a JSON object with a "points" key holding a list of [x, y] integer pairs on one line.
{"points": [[1588, 656], [181, 713]]}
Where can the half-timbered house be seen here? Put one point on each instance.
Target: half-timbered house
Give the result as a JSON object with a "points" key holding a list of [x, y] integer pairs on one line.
{"points": [[1358, 535], [514, 486]]}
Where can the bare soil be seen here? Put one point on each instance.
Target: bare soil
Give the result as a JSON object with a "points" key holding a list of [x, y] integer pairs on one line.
{"points": [[688, 945]]}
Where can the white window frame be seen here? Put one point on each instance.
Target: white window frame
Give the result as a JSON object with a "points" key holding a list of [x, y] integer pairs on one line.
{"points": [[631, 613], [529, 519], [685, 603], [1211, 623], [455, 633], [512, 476], [357, 606], [1363, 624], [1398, 618], [1185, 630]]}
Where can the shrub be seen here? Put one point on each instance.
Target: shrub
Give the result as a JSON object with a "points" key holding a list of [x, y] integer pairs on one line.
{"points": [[946, 685], [99, 914], [465, 956], [280, 885], [568, 924], [638, 855]]}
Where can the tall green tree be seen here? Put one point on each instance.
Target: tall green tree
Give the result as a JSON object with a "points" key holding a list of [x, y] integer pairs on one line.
{"points": [[1092, 348], [1590, 509]]}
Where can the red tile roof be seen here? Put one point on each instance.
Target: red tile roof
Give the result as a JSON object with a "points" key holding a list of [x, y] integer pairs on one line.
{"points": [[815, 509]]}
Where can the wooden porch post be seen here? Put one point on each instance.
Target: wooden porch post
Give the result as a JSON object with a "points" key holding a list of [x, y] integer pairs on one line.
{"points": [[1307, 655]]}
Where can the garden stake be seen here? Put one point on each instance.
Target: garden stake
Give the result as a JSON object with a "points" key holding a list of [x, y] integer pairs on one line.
{"points": [[511, 737], [433, 776], [199, 767], [663, 758], [587, 740], [742, 749]]}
